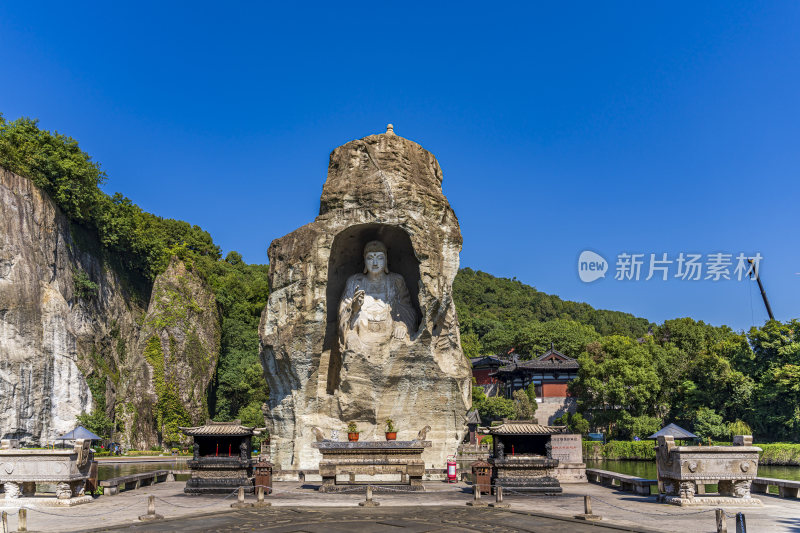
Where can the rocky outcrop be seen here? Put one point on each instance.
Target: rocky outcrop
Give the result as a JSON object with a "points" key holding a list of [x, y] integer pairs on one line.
{"points": [[73, 333], [382, 187], [180, 342]]}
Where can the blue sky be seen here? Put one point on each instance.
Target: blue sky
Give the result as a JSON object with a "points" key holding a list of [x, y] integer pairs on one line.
{"points": [[613, 127]]}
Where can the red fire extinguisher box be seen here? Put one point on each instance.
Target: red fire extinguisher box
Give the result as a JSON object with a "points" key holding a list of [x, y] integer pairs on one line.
{"points": [[451, 469]]}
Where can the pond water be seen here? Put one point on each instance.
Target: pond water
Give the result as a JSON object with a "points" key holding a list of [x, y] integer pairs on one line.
{"points": [[107, 471]]}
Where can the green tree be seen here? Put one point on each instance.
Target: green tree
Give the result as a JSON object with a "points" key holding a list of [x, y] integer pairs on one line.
{"points": [[83, 286], [239, 388], [491, 408], [470, 344], [630, 427], [708, 424], [575, 423], [739, 427], [524, 409], [617, 379], [567, 336], [54, 162], [97, 422]]}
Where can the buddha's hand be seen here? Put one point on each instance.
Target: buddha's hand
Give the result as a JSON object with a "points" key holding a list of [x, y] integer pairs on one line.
{"points": [[400, 331], [358, 300]]}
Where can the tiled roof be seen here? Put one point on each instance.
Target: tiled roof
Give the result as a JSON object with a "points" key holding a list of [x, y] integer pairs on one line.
{"points": [[550, 360], [226, 429], [489, 360], [524, 428], [673, 430]]}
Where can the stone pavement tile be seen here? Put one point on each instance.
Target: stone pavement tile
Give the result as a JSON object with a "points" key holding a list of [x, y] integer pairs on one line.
{"points": [[436, 510], [347, 520]]}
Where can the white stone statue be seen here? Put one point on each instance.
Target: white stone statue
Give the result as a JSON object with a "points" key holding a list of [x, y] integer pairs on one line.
{"points": [[375, 306]]}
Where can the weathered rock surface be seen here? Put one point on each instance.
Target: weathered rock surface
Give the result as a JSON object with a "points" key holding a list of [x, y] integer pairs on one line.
{"points": [[180, 342], [387, 188], [55, 343]]}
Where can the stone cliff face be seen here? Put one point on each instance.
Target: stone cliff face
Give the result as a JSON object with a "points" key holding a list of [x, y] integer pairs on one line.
{"points": [[67, 346], [386, 188]]}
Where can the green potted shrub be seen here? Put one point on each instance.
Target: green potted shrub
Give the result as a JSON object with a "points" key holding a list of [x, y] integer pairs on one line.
{"points": [[352, 432], [391, 432]]}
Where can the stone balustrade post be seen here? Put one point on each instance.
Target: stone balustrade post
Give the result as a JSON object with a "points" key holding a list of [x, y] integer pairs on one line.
{"points": [[476, 497], [22, 520], [722, 522], [499, 503], [587, 510], [369, 502], [151, 511]]}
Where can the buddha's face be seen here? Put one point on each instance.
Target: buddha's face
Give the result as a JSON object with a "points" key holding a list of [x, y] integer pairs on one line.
{"points": [[375, 262]]}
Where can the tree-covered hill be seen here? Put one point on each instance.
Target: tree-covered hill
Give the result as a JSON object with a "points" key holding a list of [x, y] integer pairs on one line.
{"points": [[497, 314]]}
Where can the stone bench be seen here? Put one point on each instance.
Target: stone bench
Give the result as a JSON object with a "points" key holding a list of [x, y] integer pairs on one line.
{"points": [[134, 481], [786, 487], [625, 482]]}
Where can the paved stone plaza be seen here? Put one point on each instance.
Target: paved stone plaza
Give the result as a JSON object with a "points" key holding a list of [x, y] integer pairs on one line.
{"points": [[443, 507]]}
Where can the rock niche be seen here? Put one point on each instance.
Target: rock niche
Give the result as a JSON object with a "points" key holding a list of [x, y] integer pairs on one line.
{"points": [[360, 325]]}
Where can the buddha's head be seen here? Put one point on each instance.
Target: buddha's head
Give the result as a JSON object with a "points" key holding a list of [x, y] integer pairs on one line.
{"points": [[375, 258]]}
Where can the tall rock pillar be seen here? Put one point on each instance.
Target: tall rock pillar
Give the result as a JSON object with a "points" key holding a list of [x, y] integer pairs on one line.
{"points": [[380, 188]]}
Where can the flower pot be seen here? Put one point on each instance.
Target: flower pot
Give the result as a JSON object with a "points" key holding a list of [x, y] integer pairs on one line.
{"points": [[352, 437], [391, 435]]}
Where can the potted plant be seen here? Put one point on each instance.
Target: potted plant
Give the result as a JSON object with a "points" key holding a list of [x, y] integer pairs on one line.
{"points": [[391, 432], [352, 432]]}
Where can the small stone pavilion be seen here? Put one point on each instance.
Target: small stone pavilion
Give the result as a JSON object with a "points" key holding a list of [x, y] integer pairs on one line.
{"points": [[222, 459], [522, 457]]}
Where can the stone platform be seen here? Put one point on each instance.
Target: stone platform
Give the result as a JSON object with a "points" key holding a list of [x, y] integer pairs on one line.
{"points": [[44, 501], [710, 501], [300, 506], [385, 465]]}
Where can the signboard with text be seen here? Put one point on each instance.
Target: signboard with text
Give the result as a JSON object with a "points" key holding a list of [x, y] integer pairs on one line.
{"points": [[567, 448]]}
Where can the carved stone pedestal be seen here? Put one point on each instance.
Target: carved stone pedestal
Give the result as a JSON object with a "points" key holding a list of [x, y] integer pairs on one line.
{"points": [[683, 472], [67, 468], [394, 465]]}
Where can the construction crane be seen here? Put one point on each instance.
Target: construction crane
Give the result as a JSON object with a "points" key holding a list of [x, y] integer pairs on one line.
{"points": [[754, 273]]}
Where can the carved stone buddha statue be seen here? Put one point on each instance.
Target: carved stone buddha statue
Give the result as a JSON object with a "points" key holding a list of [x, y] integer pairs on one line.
{"points": [[375, 306]]}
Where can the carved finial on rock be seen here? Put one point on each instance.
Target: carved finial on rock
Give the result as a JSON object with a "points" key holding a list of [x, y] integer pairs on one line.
{"points": [[318, 434], [389, 129], [423, 433]]}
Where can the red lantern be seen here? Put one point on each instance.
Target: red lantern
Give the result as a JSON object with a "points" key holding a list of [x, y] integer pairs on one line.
{"points": [[451, 469]]}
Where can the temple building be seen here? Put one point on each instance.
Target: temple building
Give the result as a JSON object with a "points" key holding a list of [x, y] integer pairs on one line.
{"points": [[550, 374], [484, 367]]}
